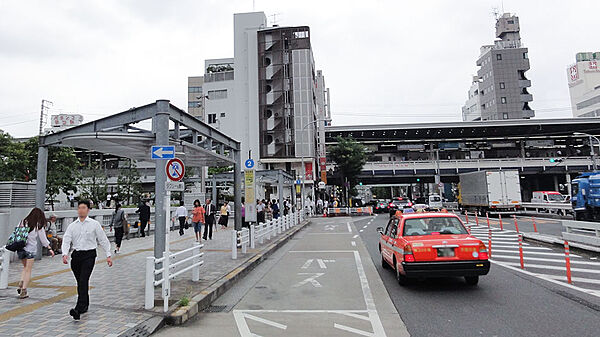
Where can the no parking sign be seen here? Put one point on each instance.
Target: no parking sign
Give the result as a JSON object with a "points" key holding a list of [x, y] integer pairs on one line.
{"points": [[175, 169]]}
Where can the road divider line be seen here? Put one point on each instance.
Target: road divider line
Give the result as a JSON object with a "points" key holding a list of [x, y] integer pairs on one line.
{"points": [[378, 330], [349, 228], [353, 243], [355, 236]]}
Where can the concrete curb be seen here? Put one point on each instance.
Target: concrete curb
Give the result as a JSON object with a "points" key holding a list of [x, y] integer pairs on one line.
{"points": [[558, 242], [179, 315]]}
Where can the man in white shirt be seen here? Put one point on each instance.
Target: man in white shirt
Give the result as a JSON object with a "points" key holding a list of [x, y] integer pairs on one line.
{"points": [[181, 213], [83, 234]]}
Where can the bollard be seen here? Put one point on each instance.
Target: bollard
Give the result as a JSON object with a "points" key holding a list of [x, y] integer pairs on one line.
{"points": [[467, 216], [568, 261], [4, 267], [521, 250], [149, 292], [516, 224], [490, 242], [262, 228], [234, 244], [476, 220], [252, 236], [244, 244], [534, 226], [166, 285], [196, 260], [500, 218], [487, 216]]}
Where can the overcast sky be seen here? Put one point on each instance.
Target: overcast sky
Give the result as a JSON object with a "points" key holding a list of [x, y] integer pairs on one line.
{"points": [[384, 61]]}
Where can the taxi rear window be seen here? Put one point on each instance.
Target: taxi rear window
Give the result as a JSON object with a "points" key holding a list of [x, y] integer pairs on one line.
{"points": [[433, 225]]}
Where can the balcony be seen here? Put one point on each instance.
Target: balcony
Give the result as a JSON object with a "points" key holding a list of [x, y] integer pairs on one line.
{"points": [[218, 77], [526, 97], [524, 83]]}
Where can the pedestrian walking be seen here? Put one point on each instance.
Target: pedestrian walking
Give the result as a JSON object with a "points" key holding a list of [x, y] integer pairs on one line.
{"points": [[260, 211], [83, 235], [119, 222], [198, 219], [144, 212], [319, 206], [36, 222], [275, 208], [210, 210], [181, 213], [224, 214]]}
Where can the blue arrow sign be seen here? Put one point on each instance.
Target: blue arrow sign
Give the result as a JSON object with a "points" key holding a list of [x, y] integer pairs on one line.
{"points": [[249, 163], [163, 152]]}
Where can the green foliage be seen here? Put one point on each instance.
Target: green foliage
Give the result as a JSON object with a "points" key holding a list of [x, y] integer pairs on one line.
{"points": [[349, 157], [14, 160], [184, 301], [129, 184], [93, 185]]}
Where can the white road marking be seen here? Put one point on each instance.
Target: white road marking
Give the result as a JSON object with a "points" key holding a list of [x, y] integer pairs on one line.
{"points": [[543, 266], [266, 321], [307, 263], [525, 247], [353, 330], [353, 243], [573, 279], [362, 230], [378, 330], [549, 279], [312, 280], [330, 227], [349, 228], [321, 264], [365, 226], [516, 257], [321, 251], [536, 253], [323, 233], [355, 236]]}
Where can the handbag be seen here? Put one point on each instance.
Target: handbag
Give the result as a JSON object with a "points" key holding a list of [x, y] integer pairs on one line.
{"points": [[18, 238]]}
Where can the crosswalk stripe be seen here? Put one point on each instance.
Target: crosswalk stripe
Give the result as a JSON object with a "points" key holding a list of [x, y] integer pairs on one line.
{"points": [[542, 266], [525, 247], [574, 279], [573, 261], [526, 252]]}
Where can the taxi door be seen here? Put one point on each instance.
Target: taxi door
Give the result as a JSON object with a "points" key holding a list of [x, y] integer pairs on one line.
{"points": [[388, 240]]}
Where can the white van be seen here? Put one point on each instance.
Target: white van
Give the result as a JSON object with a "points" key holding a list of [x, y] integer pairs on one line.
{"points": [[547, 197], [435, 202]]}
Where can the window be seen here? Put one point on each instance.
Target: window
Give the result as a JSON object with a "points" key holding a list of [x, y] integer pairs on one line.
{"points": [[510, 22], [525, 55], [392, 228], [503, 100], [502, 85], [217, 94], [212, 118], [194, 104], [499, 57], [194, 89], [505, 116], [222, 114]]}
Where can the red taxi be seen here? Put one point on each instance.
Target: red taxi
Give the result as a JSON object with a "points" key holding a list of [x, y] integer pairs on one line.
{"points": [[420, 245]]}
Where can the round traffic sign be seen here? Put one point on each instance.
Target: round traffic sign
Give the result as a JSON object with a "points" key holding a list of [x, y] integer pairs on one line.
{"points": [[249, 163], [175, 169]]}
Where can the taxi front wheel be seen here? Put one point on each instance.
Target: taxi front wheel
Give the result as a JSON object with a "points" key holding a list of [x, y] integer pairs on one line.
{"points": [[472, 280]]}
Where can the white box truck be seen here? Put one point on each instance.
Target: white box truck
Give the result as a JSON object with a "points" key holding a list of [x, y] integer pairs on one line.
{"points": [[490, 191]]}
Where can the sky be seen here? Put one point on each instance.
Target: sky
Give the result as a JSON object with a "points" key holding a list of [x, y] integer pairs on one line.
{"points": [[384, 61]]}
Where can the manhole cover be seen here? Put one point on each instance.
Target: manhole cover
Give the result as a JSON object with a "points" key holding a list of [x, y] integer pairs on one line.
{"points": [[215, 308]]}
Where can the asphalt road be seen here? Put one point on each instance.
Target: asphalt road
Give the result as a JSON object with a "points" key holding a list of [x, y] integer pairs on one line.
{"points": [[505, 303]]}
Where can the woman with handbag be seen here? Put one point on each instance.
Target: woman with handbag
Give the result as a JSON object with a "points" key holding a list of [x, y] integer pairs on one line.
{"points": [[36, 222], [119, 222], [224, 218]]}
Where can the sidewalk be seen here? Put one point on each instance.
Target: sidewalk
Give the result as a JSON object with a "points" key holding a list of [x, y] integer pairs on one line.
{"points": [[116, 294]]}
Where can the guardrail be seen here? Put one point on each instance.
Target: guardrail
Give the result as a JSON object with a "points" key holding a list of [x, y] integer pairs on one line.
{"points": [[450, 205], [4, 266], [258, 233], [338, 211], [582, 232], [165, 265], [551, 207]]}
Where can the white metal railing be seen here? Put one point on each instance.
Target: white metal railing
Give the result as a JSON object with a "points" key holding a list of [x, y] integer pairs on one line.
{"points": [[540, 205], [585, 232], [258, 233], [4, 267], [164, 272]]}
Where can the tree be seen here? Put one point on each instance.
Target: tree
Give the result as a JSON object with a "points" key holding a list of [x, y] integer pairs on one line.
{"points": [[14, 161], [63, 170], [129, 184], [349, 157], [93, 185]]}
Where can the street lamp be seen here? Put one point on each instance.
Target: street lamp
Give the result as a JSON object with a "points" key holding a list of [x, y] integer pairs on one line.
{"points": [[592, 154], [303, 166]]}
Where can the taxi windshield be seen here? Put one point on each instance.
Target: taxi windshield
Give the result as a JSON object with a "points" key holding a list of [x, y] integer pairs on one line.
{"points": [[433, 225]]}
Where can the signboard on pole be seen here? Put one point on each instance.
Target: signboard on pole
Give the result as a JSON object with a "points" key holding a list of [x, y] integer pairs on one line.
{"points": [[162, 152], [175, 169], [174, 185], [249, 195]]}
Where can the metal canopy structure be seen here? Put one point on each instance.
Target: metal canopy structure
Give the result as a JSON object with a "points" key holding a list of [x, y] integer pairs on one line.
{"points": [[132, 133]]}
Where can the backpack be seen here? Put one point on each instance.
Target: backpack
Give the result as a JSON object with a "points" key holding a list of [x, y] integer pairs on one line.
{"points": [[18, 238]]}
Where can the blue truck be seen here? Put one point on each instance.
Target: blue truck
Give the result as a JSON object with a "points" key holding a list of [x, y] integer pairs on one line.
{"points": [[585, 199]]}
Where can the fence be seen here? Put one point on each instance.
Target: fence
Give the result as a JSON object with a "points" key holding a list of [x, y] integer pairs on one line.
{"points": [[258, 233], [4, 266], [339, 211], [582, 232], [162, 267]]}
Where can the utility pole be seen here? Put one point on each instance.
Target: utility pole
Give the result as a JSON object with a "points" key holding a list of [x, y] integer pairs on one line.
{"points": [[43, 114]]}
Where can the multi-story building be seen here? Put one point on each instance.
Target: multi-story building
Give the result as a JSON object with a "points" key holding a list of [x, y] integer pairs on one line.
{"points": [[471, 111], [503, 92], [195, 94], [584, 85], [270, 97]]}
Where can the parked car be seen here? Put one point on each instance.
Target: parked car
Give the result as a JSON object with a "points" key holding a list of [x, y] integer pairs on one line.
{"points": [[419, 245]]}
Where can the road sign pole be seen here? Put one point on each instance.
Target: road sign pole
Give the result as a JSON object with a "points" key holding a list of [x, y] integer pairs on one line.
{"points": [[160, 124], [167, 253]]}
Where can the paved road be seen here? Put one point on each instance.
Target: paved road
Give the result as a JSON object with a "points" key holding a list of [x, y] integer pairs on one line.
{"points": [[543, 225], [321, 283], [507, 302]]}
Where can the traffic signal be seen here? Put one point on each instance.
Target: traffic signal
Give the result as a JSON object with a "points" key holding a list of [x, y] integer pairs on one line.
{"points": [[418, 179], [360, 183]]}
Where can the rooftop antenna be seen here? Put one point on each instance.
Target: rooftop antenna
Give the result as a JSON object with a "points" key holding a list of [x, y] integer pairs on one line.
{"points": [[496, 12], [253, 5], [274, 18]]}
